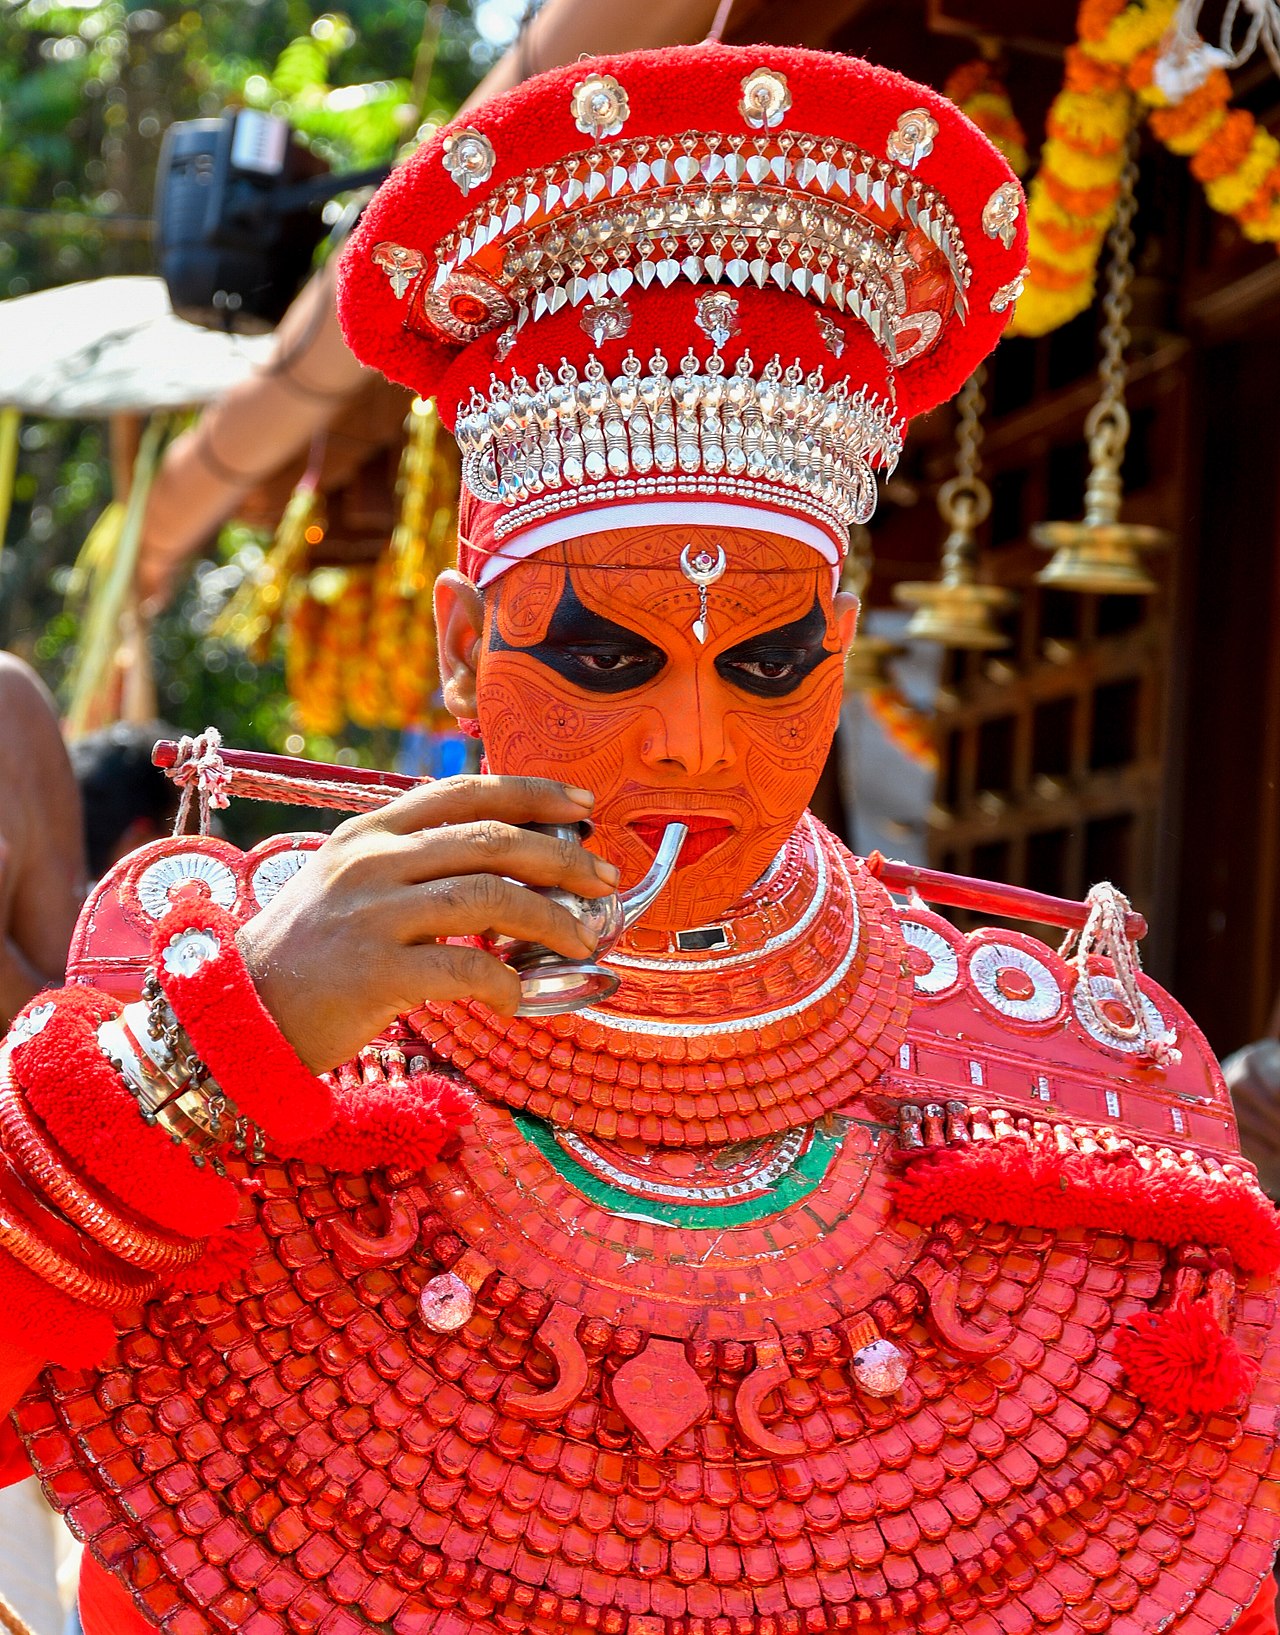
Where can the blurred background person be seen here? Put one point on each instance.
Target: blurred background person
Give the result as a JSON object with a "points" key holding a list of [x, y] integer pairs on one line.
{"points": [[127, 801], [41, 850]]}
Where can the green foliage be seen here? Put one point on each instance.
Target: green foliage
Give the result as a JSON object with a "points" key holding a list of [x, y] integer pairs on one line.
{"points": [[86, 93]]}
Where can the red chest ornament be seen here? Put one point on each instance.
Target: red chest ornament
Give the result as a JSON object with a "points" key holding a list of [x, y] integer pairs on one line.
{"points": [[659, 1352]]}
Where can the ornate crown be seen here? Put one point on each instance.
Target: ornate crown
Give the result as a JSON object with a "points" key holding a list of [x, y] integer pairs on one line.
{"points": [[829, 247]]}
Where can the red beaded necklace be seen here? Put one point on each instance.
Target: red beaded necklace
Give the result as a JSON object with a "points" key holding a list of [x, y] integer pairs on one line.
{"points": [[792, 1004]]}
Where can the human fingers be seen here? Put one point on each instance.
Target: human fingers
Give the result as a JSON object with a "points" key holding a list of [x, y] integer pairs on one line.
{"points": [[487, 905], [438, 973], [492, 847], [470, 798]]}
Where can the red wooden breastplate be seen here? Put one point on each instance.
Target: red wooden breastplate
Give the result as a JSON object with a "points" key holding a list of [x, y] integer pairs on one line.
{"points": [[665, 1413]]}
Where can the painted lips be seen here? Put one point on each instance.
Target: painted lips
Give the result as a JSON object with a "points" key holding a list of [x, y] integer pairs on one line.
{"points": [[705, 833]]}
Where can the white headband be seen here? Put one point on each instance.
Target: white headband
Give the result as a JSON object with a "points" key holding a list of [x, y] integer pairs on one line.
{"points": [[657, 514]]}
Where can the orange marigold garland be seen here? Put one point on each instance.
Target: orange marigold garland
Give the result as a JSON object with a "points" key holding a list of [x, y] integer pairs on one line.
{"points": [[978, 91], [1236, 159], [1112, 80], [1073, 197]]}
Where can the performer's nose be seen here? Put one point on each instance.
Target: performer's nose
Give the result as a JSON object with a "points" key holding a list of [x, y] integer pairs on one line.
{"points": [[690, 729]]}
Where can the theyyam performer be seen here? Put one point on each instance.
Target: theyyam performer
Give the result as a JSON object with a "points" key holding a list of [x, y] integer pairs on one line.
{"points": [[402, 1242]]}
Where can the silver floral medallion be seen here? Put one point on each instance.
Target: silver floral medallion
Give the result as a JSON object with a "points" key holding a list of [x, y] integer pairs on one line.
{"points": [[33, 1022], [833, 336], [1000, 213], [766, 98], [717, 317], [187, 951], [402, 266], [911, 139], [607, 320], [465, 307], [600, 106], [469, 158], [1007, 294], [160, 883]]}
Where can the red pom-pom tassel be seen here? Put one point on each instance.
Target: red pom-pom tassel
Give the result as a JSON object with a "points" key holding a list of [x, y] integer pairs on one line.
{"points": [[1179, 1361]]}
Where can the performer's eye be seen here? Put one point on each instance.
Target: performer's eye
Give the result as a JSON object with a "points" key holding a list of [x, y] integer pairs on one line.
{"points": [[768, 672], [612, 663], [776, 661], [606, 668], [769, 669]]}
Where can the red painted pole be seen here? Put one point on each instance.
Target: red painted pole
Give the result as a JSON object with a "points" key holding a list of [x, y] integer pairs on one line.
{"points": [[952, 890]]}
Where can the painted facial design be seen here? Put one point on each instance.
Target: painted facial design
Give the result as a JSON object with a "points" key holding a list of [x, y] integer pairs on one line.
{"points": [[592, 671]]}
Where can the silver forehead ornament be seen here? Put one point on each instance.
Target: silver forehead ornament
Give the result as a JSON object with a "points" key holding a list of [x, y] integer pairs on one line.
{"points": [[702, 570]]}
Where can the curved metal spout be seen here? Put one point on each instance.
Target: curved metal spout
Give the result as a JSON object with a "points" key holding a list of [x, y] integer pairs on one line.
{"points": [[642, 894]]}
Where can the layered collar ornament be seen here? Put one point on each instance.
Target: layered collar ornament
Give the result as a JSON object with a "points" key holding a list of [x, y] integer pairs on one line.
{"points": [[794, 1003]]}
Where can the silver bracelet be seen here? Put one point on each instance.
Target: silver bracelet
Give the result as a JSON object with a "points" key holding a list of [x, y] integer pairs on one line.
{"points": [[173, 1088]]}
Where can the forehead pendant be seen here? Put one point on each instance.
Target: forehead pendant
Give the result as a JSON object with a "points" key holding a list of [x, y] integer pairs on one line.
{"points": [[702, 570]]}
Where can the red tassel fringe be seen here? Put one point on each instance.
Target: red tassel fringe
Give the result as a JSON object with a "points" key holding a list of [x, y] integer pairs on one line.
{"points": [[1179, 1361], [408, 1125], [1028, 1186]]}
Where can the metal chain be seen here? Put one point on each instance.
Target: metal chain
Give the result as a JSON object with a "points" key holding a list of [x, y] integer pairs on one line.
{"points": [[1107, 423], [971, 403], [965, 500], [1118, 301]]}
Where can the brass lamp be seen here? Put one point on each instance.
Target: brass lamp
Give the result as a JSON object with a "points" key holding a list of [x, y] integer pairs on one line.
{"points": [[955, 609], [1100, 554]]}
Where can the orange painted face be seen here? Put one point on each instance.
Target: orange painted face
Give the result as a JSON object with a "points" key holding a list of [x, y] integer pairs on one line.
{"points": [[592, 672]]}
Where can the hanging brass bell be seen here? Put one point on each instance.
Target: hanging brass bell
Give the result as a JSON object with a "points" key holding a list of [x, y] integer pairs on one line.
{"points": [[954, 609], [1097, 557], [1100, 554]]}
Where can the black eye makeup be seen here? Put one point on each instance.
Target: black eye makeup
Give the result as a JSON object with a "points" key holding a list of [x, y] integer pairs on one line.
{"points": [[589, 650], [774, 663], [600, 656]]}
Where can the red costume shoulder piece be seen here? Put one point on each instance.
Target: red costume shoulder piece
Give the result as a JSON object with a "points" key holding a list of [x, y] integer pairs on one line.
{"points": [[568, 1381]]}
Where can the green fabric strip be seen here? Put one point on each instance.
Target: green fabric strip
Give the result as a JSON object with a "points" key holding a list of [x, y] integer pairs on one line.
{"points": [[803, 1178]]}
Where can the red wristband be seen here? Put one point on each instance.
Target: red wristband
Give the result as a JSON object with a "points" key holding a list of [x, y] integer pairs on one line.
{"points": [[349, 1127], [208, 986], [88, 1110]]}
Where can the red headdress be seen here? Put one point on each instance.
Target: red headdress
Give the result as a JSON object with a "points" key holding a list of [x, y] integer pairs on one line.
{"points": [[686, 280]]}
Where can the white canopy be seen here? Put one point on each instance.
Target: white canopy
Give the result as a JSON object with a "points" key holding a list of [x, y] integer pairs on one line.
{"points": [[113, 346]]}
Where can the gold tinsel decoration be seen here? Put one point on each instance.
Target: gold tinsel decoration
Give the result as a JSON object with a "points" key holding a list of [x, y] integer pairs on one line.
{"points": [[360, 640]]}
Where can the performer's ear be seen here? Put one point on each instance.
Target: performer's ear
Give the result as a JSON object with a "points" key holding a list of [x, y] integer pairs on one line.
{"points": [[845, 608], [459, 639]]}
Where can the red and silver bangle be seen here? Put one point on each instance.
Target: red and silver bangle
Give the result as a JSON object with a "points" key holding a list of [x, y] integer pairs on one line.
{"points": [[45, 1244], [173, 1088], [36, 1160], [204, 978], [61, 1049]]}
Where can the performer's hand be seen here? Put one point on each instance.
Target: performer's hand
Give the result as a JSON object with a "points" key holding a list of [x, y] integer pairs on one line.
{"points": [[357, 937]]}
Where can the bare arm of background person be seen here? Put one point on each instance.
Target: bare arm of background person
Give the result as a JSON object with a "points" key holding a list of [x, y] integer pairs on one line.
{"points": [[41, 841]]}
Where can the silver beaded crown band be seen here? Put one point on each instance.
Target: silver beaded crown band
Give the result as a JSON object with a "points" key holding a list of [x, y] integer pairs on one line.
{"points": [[783, 210], [574, 439]]}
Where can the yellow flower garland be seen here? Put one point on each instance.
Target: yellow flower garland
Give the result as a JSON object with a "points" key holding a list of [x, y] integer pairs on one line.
{"points": [[359, 640], [1109, 87]]}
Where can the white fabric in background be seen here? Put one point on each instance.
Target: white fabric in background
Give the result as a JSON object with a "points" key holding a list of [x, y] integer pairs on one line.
{"points": [[33, 1545]]}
